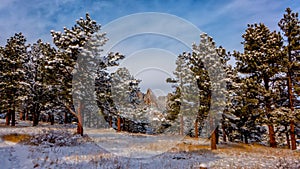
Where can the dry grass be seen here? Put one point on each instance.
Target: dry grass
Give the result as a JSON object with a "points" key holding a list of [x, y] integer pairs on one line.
{"points": [[16, 138], [254, 150], [257, 149]]}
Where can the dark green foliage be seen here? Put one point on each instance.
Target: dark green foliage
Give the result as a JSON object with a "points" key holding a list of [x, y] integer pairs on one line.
{"points": [[14, 55]]}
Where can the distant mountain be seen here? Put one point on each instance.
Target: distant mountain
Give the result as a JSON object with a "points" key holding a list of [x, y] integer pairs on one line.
{"points": [[150, 99]]}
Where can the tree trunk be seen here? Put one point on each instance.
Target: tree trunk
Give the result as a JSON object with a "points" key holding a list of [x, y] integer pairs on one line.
{"points": [[35, 120], [79, 117], [272, 136], [224, 133], [66, 117], [268, 109], [217, 135], [293, 137], [21, 115], [36, 114], [213, 140], [8, 117], [79, 128], [52, 119], [196, 128], [110, 121], [13, 117], [119, 124], [290, 94], [287, 137]]}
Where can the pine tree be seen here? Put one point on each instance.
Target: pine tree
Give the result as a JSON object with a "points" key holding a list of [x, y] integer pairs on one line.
{"points": [[205, 66], [70, 44], [290, 26], [183, 102], [260, 62], [36, 84], [229, 119], [124, 92], [12, 75], [207, 62]]}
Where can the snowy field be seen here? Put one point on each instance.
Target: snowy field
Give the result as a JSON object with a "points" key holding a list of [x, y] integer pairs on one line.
{"points": [[71, 151]]}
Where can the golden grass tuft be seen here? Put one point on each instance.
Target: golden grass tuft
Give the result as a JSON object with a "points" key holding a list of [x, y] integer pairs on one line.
{"points": [[16, 138]]}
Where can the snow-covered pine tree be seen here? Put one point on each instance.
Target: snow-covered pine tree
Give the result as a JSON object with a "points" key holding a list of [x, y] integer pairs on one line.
{"points": [[290, 26], [206, 63], [124, 92], [13, 57], [36, 84], [183, 102], [198, 67], [229, 119], [91, 70], [70, 44], [260, 62], [103, 94], [233, 84], [173, 99]]}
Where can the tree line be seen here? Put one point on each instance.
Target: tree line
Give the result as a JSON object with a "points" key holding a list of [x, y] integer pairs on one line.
{"points": [[262, 87]]}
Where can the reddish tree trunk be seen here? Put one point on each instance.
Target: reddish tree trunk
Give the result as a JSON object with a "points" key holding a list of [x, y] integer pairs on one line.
{"points": [[79, 117], [110, 121], [213, 140], [8, 117], [268, 109], [79, 129], [119, 124], [293, 137], [290, 94], [272, 136], [21, 115]]}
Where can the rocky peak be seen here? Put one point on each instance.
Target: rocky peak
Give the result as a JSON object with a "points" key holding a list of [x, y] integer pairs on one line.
{"points": [[150, 98]]}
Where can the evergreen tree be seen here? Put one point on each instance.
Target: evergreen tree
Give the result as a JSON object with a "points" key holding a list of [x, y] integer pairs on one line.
{"points": [[38, 89], [260, 63], [124, 92], [203, 67], [290, 26], [208, 62], [184, 101], [70, 44], [12, 75]]}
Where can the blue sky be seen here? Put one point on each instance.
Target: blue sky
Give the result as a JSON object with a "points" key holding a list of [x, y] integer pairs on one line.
{"points": [[224, 20]]}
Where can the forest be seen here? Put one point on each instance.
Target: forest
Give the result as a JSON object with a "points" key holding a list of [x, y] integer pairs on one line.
{"points": [[256, 99]]}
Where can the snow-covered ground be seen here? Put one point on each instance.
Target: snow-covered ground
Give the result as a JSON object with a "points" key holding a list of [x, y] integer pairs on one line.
{"points": [[86, 153]]}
